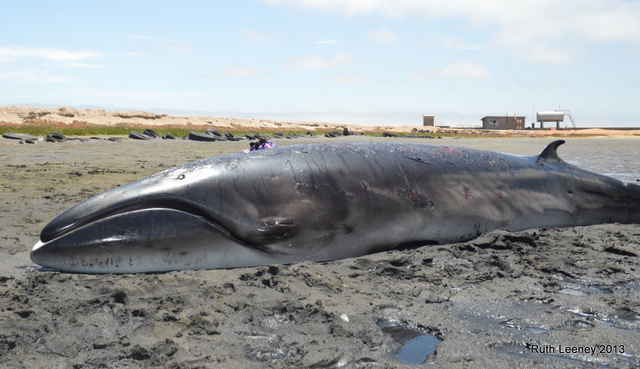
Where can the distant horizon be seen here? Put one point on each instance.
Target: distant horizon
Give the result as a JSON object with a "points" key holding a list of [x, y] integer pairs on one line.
{"points": [[391, 119]]}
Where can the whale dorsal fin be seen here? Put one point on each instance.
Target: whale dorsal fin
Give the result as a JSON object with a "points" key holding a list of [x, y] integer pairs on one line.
{"points": [[550, 152]]}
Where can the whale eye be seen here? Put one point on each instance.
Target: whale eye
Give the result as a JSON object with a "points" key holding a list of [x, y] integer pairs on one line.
{"points": [[276, 228]]}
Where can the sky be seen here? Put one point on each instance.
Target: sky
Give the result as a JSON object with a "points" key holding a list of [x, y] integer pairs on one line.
{"points": [[368, 62]]}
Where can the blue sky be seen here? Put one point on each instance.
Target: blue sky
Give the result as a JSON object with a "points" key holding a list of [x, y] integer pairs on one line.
{"points": [[346, 61]]}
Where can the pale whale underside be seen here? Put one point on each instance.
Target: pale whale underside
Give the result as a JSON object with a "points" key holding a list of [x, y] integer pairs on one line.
{"points": [[324, 202]]}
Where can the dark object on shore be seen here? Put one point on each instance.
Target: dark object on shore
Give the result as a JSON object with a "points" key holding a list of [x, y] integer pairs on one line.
{"points": [[261, 144], [282, 135], [139, 136], [345, 132], [332, 134], [168, 136], [55, 137], [213, 132], [197, 136], [151, 133], [230, 137], [387, 134], [19, 136], [258, 136]]}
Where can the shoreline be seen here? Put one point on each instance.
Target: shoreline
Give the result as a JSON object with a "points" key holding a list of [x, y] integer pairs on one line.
{"points": [[62, 117]]}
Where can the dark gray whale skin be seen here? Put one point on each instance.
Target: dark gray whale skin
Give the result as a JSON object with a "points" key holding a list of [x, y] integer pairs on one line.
{"points": [[324, 202]]}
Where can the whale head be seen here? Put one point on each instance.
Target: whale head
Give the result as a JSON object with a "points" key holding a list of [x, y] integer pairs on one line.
{"points": [[250, 209]]}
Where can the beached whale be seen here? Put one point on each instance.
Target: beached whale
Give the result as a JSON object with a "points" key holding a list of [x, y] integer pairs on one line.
{"points": [[324, 202]]}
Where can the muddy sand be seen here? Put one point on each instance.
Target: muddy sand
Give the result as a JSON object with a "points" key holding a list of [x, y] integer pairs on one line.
{"points": [[550, 298]]}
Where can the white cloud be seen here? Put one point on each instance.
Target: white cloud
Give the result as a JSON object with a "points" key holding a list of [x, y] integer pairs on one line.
{"points": [[82, 65], [465, 70], [613, 21], [550, 82], [352, 7], [549, 55], [137, 55], [179, 46], [171, 45], [319, 62], [457, 44], [259, 37], [14, 53], [418, 76], [35, 76], [148, 95], [242, 71], [519, 24], [354, 79], [384, 36]]}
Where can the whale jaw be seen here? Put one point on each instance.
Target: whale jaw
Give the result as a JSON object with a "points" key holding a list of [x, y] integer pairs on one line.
{"points": [[145, 240]]}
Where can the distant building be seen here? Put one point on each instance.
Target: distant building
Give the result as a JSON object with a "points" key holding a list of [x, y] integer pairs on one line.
{"points": [[503, 122], [428, 120], [551, 116]]}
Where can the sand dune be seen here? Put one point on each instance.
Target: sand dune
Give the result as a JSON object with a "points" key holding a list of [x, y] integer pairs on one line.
{"points": [[71, 116], [19, 115]]}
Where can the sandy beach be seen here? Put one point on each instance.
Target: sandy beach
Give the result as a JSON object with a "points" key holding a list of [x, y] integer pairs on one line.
{"points": [[549, 298]]}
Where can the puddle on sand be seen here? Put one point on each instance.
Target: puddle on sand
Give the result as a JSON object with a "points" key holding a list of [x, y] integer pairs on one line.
{"points": [[416, 345], [528, 329], [633, 286], [576, 288], [572, 292]]}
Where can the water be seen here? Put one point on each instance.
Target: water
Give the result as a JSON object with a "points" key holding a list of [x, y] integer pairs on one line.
{"points": [[416, 344], [416, 350], [614, 157], [617, 159]]}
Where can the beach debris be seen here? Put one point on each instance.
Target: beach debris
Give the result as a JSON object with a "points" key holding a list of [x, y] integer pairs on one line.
{"points": [[261, 144], [55, 137], [151, 133], [139, 136], [19, 136]]}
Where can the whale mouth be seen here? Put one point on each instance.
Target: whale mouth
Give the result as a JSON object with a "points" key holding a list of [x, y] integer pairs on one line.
{"points": [[65, 223], [138, 238]]}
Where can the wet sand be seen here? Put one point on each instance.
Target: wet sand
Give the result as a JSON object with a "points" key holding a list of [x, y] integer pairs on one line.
{"points": [[535, 298]]}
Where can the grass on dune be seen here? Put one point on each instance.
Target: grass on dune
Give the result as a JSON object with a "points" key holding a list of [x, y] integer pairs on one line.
{"points": [[178, 132], [111, 131], [43, 130]]}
